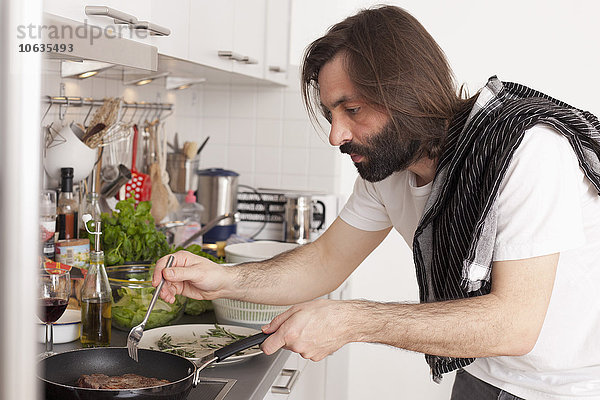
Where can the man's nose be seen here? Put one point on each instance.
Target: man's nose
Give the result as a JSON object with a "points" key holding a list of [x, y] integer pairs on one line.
{"points": [[340, 133]]}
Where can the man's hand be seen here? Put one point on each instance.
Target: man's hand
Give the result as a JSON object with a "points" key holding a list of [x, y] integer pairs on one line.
{"points": [[314, 329], [191, 276]]}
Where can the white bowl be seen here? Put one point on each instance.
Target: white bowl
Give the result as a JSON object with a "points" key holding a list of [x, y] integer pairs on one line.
{"points": [[66, 329], [69, 151], [255, 251]]}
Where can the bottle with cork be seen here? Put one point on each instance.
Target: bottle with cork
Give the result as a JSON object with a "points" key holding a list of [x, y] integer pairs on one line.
{"points": [[96, 294]]}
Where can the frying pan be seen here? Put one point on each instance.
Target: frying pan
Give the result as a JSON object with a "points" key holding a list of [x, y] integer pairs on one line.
{"points": [[60, 372]]}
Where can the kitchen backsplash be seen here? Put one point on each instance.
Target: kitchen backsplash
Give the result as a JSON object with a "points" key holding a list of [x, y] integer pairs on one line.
{"points": [[261, 132]]}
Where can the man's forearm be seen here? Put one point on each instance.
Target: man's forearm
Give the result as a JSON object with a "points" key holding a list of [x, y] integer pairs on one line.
{"points": [[475, 327]]}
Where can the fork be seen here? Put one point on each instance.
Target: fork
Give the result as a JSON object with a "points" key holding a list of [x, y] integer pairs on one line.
{"points": [[136, 333]]}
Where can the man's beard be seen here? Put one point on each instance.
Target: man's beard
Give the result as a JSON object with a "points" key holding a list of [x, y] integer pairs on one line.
{"points": [[383, 154]]}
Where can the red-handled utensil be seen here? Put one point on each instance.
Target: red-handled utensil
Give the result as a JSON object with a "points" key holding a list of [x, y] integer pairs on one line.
{"points": [[139, 185]]}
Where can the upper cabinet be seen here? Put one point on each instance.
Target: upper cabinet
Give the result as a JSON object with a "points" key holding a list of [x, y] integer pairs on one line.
{"points": [[127, 19], [211, 33], [229, 35], [249, 37], [174, 15], [277, 40], [245, 37]]}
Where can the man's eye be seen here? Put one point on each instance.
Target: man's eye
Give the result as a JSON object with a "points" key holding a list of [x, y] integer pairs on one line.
{"points": [[327, 115], [353, 110]]}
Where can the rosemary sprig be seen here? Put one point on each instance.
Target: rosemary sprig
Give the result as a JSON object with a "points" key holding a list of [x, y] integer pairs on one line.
{"points": [[188, 349]]}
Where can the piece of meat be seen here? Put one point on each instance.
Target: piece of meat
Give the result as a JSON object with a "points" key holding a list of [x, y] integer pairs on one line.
{"points": [[127, 381]]}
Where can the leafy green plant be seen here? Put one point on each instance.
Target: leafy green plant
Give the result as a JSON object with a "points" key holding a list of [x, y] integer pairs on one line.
{"points": [[129, 234]]}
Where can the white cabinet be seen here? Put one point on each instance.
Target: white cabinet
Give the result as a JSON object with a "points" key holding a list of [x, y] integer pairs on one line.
{"points": [[245, 37], [277, 40], [305, 379], [228, 35], [249, 37], [174, 15], [211, 32], [75, 10]]}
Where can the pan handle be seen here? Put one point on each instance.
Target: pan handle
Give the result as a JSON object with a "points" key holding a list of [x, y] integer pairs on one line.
{"points": [[240, 345], [227, 351]]}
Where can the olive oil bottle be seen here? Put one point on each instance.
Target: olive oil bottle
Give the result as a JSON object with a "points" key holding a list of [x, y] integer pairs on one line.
{"points": [[96, 297]]}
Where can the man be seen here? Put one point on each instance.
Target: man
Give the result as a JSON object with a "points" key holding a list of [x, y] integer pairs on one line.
{"points": [[497, 195]]}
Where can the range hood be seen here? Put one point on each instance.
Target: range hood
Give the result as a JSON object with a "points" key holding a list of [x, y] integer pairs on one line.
{"points": [[77, 41]]}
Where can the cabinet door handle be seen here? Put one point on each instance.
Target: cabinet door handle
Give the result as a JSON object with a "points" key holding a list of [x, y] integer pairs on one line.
{"points": [[248, 60], [276, 68], [153, 29], [231, 55], [119, 16], [287, 388]]}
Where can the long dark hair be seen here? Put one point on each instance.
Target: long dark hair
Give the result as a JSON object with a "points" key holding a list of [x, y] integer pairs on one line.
{"points": [[395, 64]]}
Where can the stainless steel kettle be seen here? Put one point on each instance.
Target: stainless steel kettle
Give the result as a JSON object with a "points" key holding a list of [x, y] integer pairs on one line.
{"points": [[298, 218]]}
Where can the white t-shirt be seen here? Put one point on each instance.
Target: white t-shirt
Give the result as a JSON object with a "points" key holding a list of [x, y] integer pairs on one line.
{"points": [[545, 205]]}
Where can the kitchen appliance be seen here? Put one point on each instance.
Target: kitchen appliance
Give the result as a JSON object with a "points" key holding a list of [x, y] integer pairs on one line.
{"points": [[182, 172], [217, 192], [298, 218], [265, 210]]}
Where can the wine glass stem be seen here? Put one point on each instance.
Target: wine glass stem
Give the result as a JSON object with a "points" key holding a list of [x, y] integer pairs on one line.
{"points": [[49, 338]]}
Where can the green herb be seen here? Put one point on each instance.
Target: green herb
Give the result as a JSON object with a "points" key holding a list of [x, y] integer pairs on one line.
{"points": [[165, 344], [130, 234], [219, 332], [189, 349]]}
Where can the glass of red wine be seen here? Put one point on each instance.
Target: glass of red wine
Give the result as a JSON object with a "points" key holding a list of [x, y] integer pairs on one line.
{"points": [[54, 291]]}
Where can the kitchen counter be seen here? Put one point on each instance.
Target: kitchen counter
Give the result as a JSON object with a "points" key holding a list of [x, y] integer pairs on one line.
{"points": [[253, 376]]}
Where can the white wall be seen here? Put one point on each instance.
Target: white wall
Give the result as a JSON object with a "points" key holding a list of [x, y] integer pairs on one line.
{"points": [[261, 132], [550, 45]]}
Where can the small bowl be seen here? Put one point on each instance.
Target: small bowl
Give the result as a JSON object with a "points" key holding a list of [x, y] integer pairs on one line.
{"points": [[66, 329], [256, 251], [132, 291]]}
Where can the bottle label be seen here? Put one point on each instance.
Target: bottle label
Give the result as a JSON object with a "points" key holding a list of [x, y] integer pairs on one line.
{"points": [[47, 230], [73, 252]]}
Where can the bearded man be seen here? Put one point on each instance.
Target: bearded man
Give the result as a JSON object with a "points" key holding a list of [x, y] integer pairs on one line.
{"points": [[497, 194]]}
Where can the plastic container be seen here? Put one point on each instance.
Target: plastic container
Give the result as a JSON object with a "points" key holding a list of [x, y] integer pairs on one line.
{"points": [[132, 291], [190, 213], [243, 313], [255, 251]]}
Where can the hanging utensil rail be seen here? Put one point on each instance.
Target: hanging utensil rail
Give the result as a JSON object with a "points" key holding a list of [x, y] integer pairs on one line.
{"points": [[71, 101]]}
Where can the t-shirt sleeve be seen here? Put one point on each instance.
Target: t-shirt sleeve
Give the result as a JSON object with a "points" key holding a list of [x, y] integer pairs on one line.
{"points": [[539, 201], [364, 209]]}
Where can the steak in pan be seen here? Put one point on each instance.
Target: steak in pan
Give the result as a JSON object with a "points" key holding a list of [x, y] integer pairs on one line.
{"points": [[126, 381]]}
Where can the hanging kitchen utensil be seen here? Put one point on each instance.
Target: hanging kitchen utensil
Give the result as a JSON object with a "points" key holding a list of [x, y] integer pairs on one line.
{"points": [[140, 184], [163, 199]]}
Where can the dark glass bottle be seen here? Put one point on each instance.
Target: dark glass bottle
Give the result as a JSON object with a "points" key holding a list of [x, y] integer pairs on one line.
{"points": [[67, 208]]}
